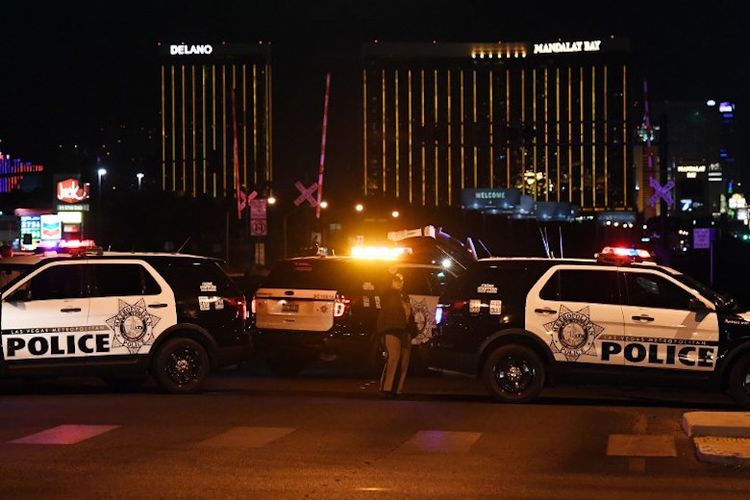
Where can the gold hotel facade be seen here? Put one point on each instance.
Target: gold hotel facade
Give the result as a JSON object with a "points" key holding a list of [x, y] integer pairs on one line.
{"points": [[551, 119], [205, 90]]}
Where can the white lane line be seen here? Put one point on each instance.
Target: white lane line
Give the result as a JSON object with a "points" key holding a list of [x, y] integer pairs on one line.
{"points": [[246, 437], [440, 442], [641, 445], [65, 434]]}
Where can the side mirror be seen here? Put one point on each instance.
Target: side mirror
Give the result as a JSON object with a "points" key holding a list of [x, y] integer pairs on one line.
{"points": [[697, 305]]}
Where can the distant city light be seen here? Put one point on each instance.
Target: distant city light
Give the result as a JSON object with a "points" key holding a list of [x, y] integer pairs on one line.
{"points": [[271, 200], [359, 207], [395, 214], [102, 172], [710, 102], [324, 204]]}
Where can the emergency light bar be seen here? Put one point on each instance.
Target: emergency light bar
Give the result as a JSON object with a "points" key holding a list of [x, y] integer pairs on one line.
{"points": [[620, 254], [382, 253], [428, 231], [627, 252]]}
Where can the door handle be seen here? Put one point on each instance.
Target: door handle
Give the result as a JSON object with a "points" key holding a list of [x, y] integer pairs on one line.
{"points": [[70, 310], [545, 310], [157, 306], [643, 317]]}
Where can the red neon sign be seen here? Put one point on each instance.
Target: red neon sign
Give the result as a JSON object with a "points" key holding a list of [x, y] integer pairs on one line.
{"points": [[70, 191]]}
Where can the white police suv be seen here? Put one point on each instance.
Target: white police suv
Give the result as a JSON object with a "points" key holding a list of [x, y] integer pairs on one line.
{"points": [[521, 323], [326, 308], [121, 316]]}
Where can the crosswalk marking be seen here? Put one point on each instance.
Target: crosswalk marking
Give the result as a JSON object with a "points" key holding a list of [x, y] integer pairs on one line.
{"points": [[246, 437], [440, 442], [65, 434], [641, 445]]}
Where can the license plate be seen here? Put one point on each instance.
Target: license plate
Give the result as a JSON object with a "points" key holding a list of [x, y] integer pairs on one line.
{"points": [[290, 307]]}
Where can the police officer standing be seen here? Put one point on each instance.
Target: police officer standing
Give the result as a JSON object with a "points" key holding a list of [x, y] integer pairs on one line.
{"points": [[394, 326]]}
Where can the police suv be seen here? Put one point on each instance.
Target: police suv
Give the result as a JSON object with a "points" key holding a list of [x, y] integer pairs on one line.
{"points": [[521, 323], [121, 316], [326, 307]]}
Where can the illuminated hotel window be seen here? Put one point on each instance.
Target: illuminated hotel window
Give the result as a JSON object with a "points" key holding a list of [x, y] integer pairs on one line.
{"points": [[201, 85], [551, 121]]}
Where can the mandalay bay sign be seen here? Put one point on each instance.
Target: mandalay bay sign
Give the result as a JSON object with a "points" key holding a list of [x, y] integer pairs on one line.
{"points": [[564, 47]]}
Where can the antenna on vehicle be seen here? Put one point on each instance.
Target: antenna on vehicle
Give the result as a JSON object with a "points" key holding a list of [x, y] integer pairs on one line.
{"points": [[486, 250], [472, 248], [179, 250], [559, 230], [545, 242]]}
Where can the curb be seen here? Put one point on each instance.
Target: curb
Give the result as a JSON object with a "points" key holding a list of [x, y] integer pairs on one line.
{"points": [[719, 437], [723, 450], [716, 424]]}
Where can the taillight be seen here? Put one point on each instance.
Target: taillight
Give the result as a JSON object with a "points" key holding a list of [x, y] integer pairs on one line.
{"points": [[239, 304], [438, 314], [444, 310], [340, 305], [252, 305]]}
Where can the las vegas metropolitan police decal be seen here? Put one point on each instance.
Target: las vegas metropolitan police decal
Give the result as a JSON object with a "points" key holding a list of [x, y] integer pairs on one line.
{"points": [[573, 333], [133, 326]]}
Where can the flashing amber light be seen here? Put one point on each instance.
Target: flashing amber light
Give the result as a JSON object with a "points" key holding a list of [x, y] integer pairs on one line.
{"points": [[378, 253]]}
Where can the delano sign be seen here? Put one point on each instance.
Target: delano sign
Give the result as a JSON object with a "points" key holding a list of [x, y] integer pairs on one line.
{"points": [[190, 50], [564, 47]]}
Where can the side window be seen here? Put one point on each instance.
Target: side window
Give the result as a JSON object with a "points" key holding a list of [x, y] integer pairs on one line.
{"points": [[439, 279], [652, 290], [187, 279], [56, 282], [582, 285], [416, 281], [119, 280]]}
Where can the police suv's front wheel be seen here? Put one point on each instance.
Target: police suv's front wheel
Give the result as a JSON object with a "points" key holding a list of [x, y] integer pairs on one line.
{"points": [[513, 374], [181, 366], [739, 381]]}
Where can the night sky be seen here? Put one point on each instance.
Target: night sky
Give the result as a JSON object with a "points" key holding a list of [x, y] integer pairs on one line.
{"points": [[70, 68]]}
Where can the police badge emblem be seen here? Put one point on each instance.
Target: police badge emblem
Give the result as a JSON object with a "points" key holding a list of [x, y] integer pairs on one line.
{"points": [[573, 333], [133, 326], [423, 319]]}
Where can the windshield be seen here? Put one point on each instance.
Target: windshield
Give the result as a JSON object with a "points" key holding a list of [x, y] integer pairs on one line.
{"points": [[720, 301], [326, 274]]}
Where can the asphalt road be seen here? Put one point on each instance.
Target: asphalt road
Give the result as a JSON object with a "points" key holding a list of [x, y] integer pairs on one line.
{"points": [[327, 436]]}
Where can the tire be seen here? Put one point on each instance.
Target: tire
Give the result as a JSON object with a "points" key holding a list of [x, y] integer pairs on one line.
{"points": [[513, 374], [181, 366], [286, 364], [739, 381]]}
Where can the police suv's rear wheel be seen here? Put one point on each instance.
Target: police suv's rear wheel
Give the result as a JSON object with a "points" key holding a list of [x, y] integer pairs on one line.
{"points": [[182, 366], [514, 374], [739, 381]]}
